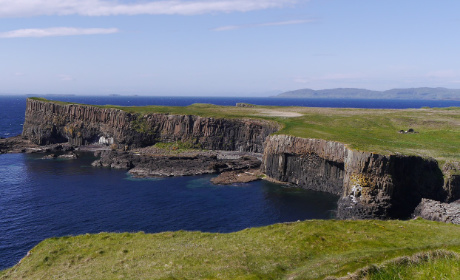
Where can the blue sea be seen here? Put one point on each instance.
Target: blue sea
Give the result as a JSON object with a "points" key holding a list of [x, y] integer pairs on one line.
{"points": [[48, 198]]}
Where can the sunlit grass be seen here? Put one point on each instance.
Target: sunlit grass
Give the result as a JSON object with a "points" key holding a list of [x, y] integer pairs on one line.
{"points": [[301, 250]]}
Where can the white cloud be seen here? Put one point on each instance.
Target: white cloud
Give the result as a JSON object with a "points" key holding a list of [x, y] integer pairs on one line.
{"points": [[27, 8], [56, 31], [288, 22]]}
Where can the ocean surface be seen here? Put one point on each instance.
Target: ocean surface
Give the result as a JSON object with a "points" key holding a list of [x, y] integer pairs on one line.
{"points": [[47, 198]]}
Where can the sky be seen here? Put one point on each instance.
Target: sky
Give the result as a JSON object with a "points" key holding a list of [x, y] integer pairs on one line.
{"points": [[226, 47]]}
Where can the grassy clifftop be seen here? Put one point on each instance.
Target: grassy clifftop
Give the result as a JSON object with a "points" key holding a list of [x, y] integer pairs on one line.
{"points": [[300, 250], [437, 129]]}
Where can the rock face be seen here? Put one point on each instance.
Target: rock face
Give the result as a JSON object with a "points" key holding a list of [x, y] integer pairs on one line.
{"points": [[437, 211], [370, 185], [48, 123], [451, 172]]}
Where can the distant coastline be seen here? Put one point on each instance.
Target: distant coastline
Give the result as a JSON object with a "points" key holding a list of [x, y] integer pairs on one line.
{"points": [[422, 93]]}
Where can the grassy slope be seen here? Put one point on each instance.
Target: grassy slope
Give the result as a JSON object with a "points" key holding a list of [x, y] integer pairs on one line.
{"points": [[362, 129], [301, 250]]}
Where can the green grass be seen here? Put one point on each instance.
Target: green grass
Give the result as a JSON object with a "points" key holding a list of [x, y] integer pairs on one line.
{"points": [[361, 129], [436, 264], [300, 250]]}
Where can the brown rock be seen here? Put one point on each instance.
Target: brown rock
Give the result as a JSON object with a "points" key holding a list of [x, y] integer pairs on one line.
{"points": [[236, 177]]}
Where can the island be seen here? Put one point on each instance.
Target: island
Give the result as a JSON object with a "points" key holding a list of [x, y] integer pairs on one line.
{"points": [[384, 164], [422, 93]]}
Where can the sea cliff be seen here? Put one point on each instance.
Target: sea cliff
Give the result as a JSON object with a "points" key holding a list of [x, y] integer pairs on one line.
{"points": [[49, 123], [370, 185]]}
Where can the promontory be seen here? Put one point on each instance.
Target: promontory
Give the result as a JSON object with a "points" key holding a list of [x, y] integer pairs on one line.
{"points": [[381, 163]]}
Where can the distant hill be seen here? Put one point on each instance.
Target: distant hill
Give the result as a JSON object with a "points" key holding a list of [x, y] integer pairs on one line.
{"points": [[402, 93]]}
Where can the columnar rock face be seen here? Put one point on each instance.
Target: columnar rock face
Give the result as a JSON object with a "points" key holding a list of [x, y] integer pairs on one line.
{"points": [[370, 185], [310, 163], [48, 122]]}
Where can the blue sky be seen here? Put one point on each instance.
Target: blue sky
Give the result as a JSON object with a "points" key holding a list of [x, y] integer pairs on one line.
{"points": [[226, 47]]}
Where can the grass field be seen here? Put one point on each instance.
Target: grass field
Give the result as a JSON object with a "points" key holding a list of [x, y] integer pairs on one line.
{"points": [[300, 250], [438, 129]]}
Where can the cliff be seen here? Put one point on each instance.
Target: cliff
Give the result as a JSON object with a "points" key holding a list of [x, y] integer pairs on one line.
{"points": [[370, 185], [49, 123]]}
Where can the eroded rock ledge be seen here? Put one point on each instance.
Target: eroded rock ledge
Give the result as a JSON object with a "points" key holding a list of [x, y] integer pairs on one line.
{"points": [[181, 164]]}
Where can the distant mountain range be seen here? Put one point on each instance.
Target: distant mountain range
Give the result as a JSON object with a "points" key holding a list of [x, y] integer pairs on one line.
{"points": [[402, 93]]}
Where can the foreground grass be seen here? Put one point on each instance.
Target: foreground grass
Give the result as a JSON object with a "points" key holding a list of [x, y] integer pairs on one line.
{"points": [[301, 250], [438, 130], [445, 268], [435, 264]]}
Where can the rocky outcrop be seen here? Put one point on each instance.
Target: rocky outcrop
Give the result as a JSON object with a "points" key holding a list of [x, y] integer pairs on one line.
{"points": [[147, 165], [370, 185], [16, 144], [237, 177], [436, 211], [49, 122]]}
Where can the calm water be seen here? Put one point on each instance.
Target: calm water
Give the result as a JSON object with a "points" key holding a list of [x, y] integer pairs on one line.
{"points": [[12, 108], [45, 198]]}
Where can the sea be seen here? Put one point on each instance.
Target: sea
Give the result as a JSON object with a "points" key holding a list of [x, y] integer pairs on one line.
{"points": [[42, 198]]}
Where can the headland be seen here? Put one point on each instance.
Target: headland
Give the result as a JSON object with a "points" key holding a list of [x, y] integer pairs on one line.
{"points": [[361, 155]]}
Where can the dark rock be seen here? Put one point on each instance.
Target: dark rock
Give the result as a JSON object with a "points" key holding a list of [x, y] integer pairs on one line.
{"points": [[142, 165], [16, 144]]}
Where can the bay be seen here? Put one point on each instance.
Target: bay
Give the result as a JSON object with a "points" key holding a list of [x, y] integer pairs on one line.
{"points": [[48, 198]]}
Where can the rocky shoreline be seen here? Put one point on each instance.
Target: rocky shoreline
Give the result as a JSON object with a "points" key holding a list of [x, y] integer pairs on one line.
{"points": [[152, 162], [233, 167], [163, 164], [370, 185]]}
